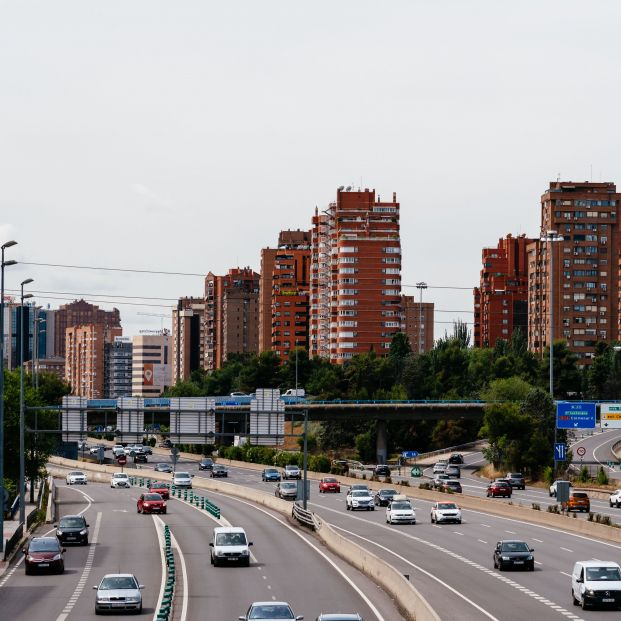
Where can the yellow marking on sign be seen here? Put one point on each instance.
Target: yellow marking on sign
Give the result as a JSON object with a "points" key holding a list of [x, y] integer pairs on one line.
{"points": [[611, 416]]}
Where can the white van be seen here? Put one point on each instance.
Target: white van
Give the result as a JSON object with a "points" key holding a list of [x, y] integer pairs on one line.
{"points": [[230, 545], [596, 583]]}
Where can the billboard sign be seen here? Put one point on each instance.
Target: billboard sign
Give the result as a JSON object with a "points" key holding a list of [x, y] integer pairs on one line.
{"points": [[575, 415], [610, 415]]}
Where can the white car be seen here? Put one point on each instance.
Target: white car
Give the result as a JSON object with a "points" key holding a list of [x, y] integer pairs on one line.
{"points": [[439, 467], [76, 477], [445, 512], [94, 450], [182, 479], [615, 498], [359, 499], [553, 487], [120, 479], [400, 511], [118, 593]]}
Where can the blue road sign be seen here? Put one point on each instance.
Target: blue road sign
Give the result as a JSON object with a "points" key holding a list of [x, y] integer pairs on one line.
{"points": [[560, 450], [575, 415], [409, 454]]}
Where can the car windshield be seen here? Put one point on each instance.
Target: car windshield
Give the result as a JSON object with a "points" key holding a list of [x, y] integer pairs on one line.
{"points": [[291, 468], [271, 471], [515, 546], [288, 486], [77, 474], [44, 545], [152, 497], [579, 495], [400, 505], [447, 505], [120, 476], [182, 475], [71, 522], [603, 573], [276, 611], [360, 492], [453, 484], [387, 492], [112, 583], [230, 539], [162, 466]]}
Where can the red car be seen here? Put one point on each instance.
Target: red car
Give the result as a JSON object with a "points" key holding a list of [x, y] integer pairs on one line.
{"points": [[44, 554], [499, 488], [159, 487], [329, 484], [151, 503]]}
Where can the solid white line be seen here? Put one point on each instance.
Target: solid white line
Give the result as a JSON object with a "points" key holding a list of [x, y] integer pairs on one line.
{"points": [[159, 529], [184, 571], [567, 549], [565, 574], [538, 540], [345, 577]]}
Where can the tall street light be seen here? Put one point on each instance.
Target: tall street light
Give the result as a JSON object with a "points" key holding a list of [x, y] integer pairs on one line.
{"points": [[551, 237], [22, 468], [420, 286], [3, 265]]}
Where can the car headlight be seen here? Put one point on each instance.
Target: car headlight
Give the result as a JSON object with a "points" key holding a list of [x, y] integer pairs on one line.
{"points": [[29, 558], [83, 531], [590, 592], [529, 558], [245, 552], [100, 598], [134, 599], [219, 553], [506, 558], [59, 532], [57, 557]]}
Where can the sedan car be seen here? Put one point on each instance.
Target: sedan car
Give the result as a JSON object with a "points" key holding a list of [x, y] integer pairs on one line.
{"points": [[359, 499], [329, 484], [453, 472], [140, 458], [72, 529], [205, 464], [270, 611], [445, 512], [270, 474], [159, 487], [182, 479], [516, 480], [286, 490], [219, 470], [383, 497], [499, 488], [118, 592], [163, 468], [400, 511], [615, 498], [120, 479], [382, 470], [150, 503], [438, 479], [513, 553], [44, 554], [76, 477]]}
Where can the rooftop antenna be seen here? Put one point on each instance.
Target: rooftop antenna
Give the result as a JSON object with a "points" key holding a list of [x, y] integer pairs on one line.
{"points": [[558, 177], [591, 173]]}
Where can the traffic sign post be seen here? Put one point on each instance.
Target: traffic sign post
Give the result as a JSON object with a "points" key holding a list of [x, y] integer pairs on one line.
{"points": [[581, 451], [409, 454], [121, 460], [610, 415], [174, 455], [575, 415], [560, 451], [416, 471]]}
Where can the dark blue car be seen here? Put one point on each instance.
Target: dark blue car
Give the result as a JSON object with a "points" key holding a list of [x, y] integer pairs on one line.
{"points": [[270, 474]]}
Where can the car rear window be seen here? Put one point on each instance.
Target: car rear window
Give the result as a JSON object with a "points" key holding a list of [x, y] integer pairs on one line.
{"points": [[152, 497], [581, 495]]}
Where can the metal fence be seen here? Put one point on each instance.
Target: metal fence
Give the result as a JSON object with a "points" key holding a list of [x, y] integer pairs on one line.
{"points": [[303, 516], [10, 544]]}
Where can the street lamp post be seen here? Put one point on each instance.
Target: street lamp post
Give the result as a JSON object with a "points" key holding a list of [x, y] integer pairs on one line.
{"points": [[22, 464], [420, 286], [3, 264], [552, 237]]}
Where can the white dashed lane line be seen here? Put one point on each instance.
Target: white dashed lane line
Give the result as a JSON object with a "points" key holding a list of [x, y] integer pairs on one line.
{"points": [[567, 550]]}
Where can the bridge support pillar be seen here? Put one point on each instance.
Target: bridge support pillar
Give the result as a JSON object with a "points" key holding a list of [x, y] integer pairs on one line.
{"points": [[381, 447]]}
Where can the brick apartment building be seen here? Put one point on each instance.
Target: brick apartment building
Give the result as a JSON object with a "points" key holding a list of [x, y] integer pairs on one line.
{"points": [[501, 299], [84, 358], [231, 315], [355, 276], [582, 268], [188, 337], [284, 294], [417, 323]]}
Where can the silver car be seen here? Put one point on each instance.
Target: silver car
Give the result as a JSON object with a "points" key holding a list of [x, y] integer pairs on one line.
{"points": [[270, 611], [118, 592]]}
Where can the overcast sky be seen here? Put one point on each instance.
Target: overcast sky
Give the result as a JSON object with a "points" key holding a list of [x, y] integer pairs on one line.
{"points": [[183, 136]]}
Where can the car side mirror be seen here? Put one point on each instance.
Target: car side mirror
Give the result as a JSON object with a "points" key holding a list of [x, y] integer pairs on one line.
{"points": [[211, 545], [64, 550], [141, 586], [88, 525], [299, 618], [55, 525], [242, 618], [579, 580], [532, 549], [95, 587], [250, 543], [24, 550]]}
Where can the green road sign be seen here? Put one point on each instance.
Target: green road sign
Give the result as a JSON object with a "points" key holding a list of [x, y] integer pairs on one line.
{"points": [[416, 471]]}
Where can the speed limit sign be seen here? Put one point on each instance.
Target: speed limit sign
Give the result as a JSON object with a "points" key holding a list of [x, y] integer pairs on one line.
{"points": [[581, 451]]}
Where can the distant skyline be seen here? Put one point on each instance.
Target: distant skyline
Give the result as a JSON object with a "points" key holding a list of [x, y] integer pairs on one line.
{"points": [[183, 137]]}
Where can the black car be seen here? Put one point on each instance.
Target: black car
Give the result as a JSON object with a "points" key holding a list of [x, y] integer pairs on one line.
{"points": [[456, 458], [140, 458], [218, 470], [382, 471], [166, 443], [72, 529], [147, 450], [205, 464], [513, 553], [383, 497]]}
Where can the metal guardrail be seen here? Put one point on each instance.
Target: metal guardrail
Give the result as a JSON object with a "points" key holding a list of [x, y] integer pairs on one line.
{"points": [[11, 543], [303, 516]]}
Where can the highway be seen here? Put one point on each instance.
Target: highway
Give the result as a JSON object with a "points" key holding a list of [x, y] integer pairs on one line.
{"points": [[287, 564]]}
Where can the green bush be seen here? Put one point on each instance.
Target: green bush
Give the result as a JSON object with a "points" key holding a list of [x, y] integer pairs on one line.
{"points": [[602, 477], [319, 463], [548, 475], [583, 475], [151, 441]]}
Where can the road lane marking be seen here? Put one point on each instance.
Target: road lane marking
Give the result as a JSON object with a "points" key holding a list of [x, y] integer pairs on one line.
{"points": [[538, 540], [184, 572], [511, 532], [567, 549], [486, 525], [565, 574], [160, 538], [345, 577], [85, 572], [481, 541]]}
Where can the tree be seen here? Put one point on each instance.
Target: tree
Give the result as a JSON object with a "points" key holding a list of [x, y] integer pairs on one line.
{"points": [[509, 389]]}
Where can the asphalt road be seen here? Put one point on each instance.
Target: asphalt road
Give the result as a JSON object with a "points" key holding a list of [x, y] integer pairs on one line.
{"points": [[287, 564]]}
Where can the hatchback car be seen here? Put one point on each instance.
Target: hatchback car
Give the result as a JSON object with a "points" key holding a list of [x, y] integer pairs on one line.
{"points": [[270, 474], [76, 477], [516, 480], [205, 464], [513, 553], [286, 490], [72, 529], [445, 512], [291, 471], [270, 611], [400, 511], [579, 501], [163, 468], [150, 503], [382, 470], [439, 467], [456, 458], [454, 472], [140, 458], [329, 484], [451, 485], [383, 497], [159, 487], [118, 592], [615, 498], [44, 554], [219, 470], [499, 488], [120, 479], [438, 479]]}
